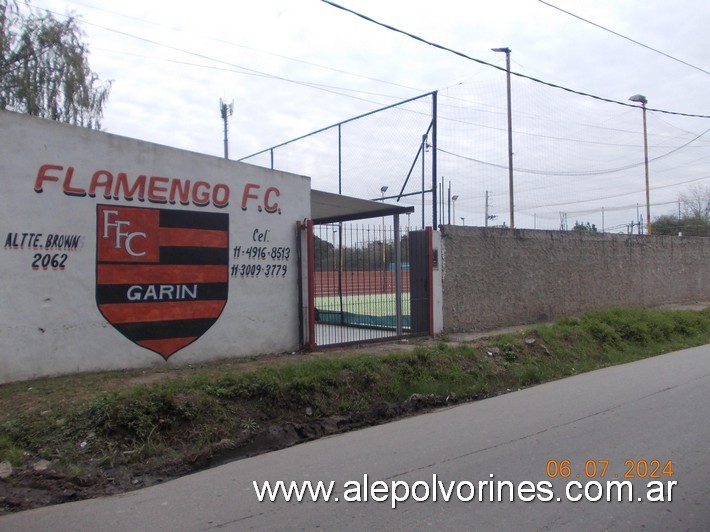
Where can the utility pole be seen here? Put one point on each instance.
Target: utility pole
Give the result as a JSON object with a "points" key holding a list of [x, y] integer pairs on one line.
{"points": [[563, 221], [489, 216], [640, 98], [506, 51], [226, 110], [449, 204], [486, 209]]}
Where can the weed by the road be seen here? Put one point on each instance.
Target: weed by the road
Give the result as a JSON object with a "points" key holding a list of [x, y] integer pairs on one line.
{"points": [[88, 422]]}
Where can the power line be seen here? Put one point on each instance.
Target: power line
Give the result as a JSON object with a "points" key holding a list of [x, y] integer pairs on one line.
{"points": [[223, 41], [518, 74], [321, 87], [624, 37], [245, 70], [236, 69], [575, 174], [607, 209], [563, 203]]}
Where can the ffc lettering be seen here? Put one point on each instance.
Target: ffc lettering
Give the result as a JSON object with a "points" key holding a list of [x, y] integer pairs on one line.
{"points": [[120, 234]]}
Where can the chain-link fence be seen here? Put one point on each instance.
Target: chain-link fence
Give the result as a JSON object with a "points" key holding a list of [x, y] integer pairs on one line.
{"points": [[578, 161], [384, 155]]}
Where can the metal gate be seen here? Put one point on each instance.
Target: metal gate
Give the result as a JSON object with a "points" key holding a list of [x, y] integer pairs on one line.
{"points": [[420, 281], [365, 283]]}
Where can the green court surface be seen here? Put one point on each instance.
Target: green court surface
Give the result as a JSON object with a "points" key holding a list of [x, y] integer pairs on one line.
{"points": [[377, 310]]}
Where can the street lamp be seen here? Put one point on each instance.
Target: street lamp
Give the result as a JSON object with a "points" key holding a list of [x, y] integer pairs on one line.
{"points": [[640, 98], [506, 51], [453, 201]]}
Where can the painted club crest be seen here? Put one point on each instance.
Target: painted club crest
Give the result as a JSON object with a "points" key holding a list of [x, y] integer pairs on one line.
{"points": [[162, 276]]}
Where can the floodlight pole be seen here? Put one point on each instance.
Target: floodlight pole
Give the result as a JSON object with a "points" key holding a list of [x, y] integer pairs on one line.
{"points": [[226, 110], [423, 185], [506, 51]]}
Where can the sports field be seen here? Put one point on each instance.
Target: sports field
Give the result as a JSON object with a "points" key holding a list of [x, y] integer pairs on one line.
{"points": [[377, 310], [354, 283]]}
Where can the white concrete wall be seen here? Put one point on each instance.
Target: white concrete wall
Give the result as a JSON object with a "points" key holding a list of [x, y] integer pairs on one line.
{"points": [[65, 204]]}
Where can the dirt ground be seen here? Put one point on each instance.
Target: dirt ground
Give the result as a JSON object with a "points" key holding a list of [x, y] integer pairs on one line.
{"points": [[43, 484]]}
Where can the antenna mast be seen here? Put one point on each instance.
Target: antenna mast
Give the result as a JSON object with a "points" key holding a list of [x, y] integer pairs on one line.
{"points": [[226, 110]]}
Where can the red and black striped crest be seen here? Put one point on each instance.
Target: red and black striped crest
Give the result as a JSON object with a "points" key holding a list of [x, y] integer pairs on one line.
{"points": [[162, 276]]}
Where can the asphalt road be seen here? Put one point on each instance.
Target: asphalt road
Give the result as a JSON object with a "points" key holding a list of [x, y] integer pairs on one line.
{"points": [[628, 416]]}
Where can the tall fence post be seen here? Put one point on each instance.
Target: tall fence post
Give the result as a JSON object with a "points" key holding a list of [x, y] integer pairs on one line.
{"points": [[398, 275], [310, 246], [433, 158], [299, 267]]}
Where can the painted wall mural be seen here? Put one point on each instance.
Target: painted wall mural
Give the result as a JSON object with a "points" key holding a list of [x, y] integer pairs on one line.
{"points": [[161, 275], [116, 249]]}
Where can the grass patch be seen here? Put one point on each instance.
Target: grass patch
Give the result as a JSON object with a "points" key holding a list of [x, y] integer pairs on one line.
{"points": [[89, 423]]}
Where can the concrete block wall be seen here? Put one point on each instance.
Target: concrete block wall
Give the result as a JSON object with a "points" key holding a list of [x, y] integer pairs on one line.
{"points": [[497, 277]]}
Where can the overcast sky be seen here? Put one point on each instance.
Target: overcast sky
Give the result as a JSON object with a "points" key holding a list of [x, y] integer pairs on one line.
{"points": [[295, 66]]}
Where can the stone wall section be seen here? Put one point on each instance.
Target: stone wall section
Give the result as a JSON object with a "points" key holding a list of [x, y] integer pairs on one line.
{"points": [[498, 277]]}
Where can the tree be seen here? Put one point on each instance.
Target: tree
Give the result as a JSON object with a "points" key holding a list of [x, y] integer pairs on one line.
{"points": [[44, 69], [669, 224], [693, 218], [324, 255], [696, 202], [579, 226]]}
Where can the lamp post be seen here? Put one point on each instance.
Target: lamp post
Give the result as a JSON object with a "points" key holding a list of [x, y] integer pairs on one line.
{"points": [[640, 98], [453, 202], [506, 51]]}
